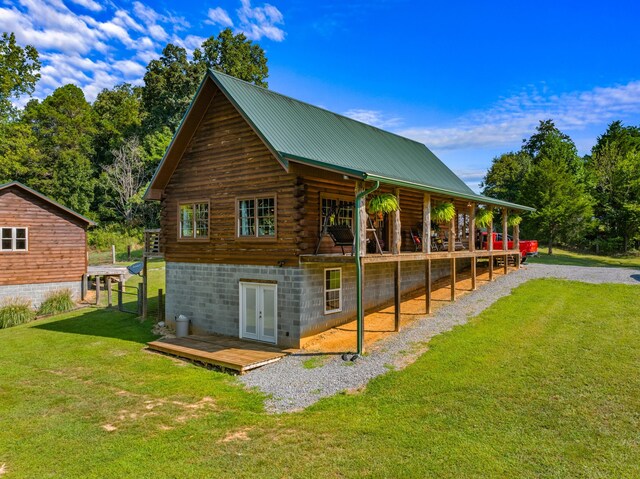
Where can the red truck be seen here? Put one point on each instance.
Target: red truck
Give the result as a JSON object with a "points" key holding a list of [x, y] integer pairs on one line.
{"points": [[527, 247]]}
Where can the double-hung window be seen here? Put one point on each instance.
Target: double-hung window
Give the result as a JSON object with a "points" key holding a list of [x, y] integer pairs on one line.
{"points": [[14, 239], [332, 290], [194, 220], [257, 217], [340, 212]]}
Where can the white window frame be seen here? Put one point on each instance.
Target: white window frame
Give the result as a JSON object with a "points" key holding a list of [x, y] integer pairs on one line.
{"points": [[324, 279], [14, 238]]}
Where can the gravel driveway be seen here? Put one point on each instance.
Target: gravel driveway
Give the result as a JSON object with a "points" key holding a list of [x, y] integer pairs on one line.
{"points": [[292, 387]]}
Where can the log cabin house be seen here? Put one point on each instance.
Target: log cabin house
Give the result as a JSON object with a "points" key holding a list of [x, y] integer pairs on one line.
{"points": [[43, 245], [246, 187]]}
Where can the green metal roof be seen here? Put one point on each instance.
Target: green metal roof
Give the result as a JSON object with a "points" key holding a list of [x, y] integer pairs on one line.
{"points": [[305, 133]]}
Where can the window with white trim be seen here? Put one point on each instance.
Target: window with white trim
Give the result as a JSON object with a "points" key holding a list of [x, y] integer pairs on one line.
{"points": [[332, 290], [14, 239], [257, 217], [194, 221]]}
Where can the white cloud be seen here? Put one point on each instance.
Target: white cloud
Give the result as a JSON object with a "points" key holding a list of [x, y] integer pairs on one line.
{"points": [[373, 117], [157, 32], [190, 42], [89, 5], [258, 22], [516, 117], [219, 16]]}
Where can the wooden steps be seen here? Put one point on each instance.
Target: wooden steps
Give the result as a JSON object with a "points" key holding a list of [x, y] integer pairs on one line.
{"points": [[225, 352]]}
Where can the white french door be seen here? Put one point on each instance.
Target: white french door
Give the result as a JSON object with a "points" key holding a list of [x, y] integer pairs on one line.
{"points": [[259, 311]]}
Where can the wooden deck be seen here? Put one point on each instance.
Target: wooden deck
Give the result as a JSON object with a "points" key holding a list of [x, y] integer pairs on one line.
{"points": [[225, 352]]}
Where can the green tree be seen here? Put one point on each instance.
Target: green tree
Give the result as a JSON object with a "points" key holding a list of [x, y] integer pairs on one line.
{"points": [[553, 186], [505, 177], [172, 80], [169, 85], [64, 126], [237, 56], [614, 170], [19, 72], [118, 113]]}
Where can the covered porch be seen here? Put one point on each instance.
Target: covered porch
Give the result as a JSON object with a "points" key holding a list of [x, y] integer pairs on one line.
{"points": [[416, 232]]}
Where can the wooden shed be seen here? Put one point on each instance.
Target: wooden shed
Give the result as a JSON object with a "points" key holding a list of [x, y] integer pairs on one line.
{"points": [[249, 188], [43, 245]]}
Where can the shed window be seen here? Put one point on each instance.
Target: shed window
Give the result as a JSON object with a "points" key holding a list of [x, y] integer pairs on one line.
{"points": [[332, 290], [14, 239], [257, 217], [341, 212], [194, 221]]}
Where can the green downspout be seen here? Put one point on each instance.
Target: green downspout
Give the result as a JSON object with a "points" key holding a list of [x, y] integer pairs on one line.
{"points": [[359, 308]]}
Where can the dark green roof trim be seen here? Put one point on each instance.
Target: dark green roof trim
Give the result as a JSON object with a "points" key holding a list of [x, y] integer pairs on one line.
{"points": [[321, 164], [48, 200], [472, 197]]}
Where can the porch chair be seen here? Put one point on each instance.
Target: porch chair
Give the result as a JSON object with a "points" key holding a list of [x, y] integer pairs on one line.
{"points": [[342, 236]]}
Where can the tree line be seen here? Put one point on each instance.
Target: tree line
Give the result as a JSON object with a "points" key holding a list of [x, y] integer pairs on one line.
{"points": [[98, 158], [589, 202]]}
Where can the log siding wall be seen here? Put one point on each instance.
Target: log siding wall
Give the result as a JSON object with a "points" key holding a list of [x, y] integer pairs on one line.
{"points": [[57, 250], [226, 161]]}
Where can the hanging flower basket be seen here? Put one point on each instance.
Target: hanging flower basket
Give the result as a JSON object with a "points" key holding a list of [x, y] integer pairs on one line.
{"points": [[383, 203], [514, 220], [443, 213], [484, 217]]}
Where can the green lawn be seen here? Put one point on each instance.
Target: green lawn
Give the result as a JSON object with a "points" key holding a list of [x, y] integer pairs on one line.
{"points": [[560, 256], [545, 383]]}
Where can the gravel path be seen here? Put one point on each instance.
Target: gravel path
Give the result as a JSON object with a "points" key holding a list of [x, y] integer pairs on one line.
{"points": [[291, 387]]}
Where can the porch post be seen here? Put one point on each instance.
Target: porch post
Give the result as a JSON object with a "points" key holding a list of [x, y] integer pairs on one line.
{"points": [[360, 244], [516, 244], [452, 233], [396, 242], [427, 286], [361, 204], [505, 238], [474, 262], [472, 226], [426, 223], [490, 236], [505, 230], [490, 248], [453, 279], [397, 292]]}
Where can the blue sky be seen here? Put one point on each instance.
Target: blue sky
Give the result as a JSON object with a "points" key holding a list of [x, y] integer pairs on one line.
{"points": [[468, 79]]}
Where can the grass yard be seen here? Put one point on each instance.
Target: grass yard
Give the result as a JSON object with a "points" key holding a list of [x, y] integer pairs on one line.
{"points": [[580, 259], [545, 383]]}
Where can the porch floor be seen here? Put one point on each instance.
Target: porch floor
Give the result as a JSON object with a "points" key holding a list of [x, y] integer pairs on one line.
{"points": [[380, 324], [226, 352]]}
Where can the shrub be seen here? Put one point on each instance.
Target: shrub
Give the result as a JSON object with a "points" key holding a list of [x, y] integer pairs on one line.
{"points": [[101, 239], [15, 311], [57, 302]]}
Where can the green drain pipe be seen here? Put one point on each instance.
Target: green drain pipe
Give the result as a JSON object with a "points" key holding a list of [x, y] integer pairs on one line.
{"points": [[359, 308]]}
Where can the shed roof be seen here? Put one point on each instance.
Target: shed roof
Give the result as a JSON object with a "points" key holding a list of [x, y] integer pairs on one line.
{"points": [[300, 132], [31, 191]]}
